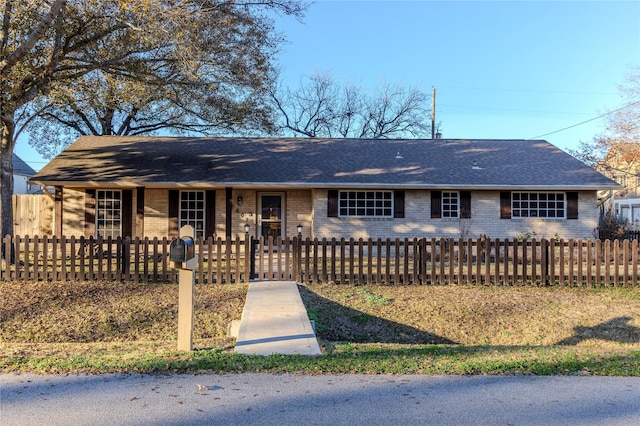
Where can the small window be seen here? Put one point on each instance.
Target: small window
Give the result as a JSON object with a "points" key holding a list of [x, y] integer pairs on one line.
{"points": [[109, 213], [192, 211], [539, 205], [365, 204], [450, 204]]}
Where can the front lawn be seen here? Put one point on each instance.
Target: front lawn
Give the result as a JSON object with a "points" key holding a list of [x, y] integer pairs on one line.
{"points": [[113, 327]]}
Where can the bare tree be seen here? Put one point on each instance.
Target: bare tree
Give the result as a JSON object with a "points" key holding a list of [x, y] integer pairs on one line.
{"points": [[622, 125], [321, 107], [51, 51]]}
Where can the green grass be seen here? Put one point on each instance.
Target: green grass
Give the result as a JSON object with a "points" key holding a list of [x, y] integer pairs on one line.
{"points": [[121, 327], [350, 358]]}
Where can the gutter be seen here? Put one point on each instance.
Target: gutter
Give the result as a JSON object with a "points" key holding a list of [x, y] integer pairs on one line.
{"points": [[325, 185]]}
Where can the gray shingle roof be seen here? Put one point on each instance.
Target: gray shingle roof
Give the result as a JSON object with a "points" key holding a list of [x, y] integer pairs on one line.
{"points": [[20, 167], [320, 163]]}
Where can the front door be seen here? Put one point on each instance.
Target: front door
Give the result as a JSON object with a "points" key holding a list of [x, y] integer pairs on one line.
{"points": [[271, 215]]}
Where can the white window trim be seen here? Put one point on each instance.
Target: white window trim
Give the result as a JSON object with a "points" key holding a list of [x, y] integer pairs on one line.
{"points": [[445, 211], [101, 230], [199, 233], [530, 209], [390, 208]]}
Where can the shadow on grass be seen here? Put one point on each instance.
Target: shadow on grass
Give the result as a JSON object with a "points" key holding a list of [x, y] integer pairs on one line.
{"points": [[616, 330], [336, 322]]}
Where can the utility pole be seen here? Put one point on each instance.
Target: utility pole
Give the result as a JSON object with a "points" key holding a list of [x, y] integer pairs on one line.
{"points": [[433, 113]]}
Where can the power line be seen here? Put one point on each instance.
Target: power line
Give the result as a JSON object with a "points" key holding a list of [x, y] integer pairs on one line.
{"points": [[514, 110], [496, 89], [587, 121]]}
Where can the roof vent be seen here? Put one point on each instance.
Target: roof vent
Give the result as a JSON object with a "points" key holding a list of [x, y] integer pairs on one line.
{"points": [[475, 165], [398, 156]]}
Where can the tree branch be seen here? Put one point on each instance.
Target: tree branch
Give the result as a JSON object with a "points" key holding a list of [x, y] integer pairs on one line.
{"points": [[39, 31]]}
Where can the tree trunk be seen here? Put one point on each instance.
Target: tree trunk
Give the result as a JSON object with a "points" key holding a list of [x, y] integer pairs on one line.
{"points": [[6, 178]]}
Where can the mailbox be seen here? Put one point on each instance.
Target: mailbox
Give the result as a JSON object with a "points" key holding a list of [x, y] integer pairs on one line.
{"points": [[182, 249]]}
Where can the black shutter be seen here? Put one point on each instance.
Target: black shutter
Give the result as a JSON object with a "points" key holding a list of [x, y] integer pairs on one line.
{"points": [[140, 211], [90, 213], [174, 208], [398, 204], [465, 204], [505, 205], [332, 203], [210, 214], [127, 213], [572, 205], [436, 204]]}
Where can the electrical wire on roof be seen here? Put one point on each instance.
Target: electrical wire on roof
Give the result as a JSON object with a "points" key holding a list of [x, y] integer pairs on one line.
{"points": [[584, 122]]}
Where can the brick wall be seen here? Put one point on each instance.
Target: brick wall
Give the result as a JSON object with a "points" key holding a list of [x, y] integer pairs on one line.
{"points": [[309, 209], [156, 210], [485, 219], [73, 212], [297, 205]]}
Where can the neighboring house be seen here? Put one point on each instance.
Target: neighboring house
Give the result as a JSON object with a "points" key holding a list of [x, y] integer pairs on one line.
{"points": [[360, 188], [622, 164], [628, 208], [22, 172]]}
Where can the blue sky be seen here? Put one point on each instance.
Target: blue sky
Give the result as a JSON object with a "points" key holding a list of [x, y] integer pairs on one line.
{"points": [[502, 70]]}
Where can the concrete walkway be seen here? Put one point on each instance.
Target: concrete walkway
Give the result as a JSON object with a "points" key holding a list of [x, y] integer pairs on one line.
{"points": [[274, 321]]}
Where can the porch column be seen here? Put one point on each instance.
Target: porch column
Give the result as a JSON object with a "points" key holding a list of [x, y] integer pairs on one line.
{"points": [[228, 211], [57, 215]]}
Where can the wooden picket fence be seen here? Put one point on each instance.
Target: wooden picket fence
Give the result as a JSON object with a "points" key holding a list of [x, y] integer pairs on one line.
{"points": [[136, 260], [391, 261]]}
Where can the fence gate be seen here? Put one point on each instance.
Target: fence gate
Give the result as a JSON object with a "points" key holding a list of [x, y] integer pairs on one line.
{"points": [[274, 259]]}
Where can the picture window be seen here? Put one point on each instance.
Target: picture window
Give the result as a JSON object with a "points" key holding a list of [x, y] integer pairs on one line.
{"points": [[366, 204], [543, 205]]}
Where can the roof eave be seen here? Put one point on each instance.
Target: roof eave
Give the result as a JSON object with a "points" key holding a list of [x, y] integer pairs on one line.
{"points": [[313, 185]]}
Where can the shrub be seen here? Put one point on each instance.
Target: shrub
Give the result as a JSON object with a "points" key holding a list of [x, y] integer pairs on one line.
{"points": [[612, 226]]}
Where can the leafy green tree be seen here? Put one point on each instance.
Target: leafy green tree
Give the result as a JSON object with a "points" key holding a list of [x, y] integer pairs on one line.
{"points": [[109, 66]]}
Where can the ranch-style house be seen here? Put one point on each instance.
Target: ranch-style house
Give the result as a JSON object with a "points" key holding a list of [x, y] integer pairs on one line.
{"points": [[352, 188]]}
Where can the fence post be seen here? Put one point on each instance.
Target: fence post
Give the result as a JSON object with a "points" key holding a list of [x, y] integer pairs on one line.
{"points": [[247, 258], [126, 258], [298, 251], [8, 253], [294, 262]]}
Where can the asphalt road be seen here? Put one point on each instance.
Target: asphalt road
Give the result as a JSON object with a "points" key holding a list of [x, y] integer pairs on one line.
{"points": [[264, 399]]}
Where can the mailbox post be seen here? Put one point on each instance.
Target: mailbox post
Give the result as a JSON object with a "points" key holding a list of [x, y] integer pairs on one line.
{"points": [[182, 253]]}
